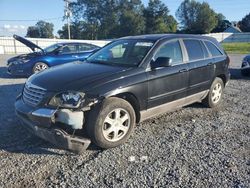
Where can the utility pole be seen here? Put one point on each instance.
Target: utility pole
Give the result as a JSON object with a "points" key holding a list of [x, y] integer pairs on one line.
{"points": [[68, 14]]}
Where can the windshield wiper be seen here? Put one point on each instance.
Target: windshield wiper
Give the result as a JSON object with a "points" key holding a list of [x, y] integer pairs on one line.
{"points": [[108, 63]]}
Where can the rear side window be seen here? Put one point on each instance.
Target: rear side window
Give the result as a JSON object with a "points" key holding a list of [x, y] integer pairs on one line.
{"points": [[171, 50], [67, 49], [204, 50], [194, 49], [85, 47], [213, 49], [118, 51]]}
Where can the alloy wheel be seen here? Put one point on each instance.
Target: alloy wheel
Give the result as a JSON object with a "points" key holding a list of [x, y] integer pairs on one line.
{"points": [[40, 67], [216, 93], [116, 125]]}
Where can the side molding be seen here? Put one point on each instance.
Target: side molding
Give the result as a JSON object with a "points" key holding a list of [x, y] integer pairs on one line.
{"points": [[171, 106]]}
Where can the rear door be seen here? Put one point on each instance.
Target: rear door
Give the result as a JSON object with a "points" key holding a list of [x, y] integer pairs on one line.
{"points": [[219, 58], [166, 84], [200, 65]]}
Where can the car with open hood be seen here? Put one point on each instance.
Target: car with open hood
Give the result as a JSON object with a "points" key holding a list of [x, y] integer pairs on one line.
{"points": [[129, 80], [245, 66], [41, 59]]}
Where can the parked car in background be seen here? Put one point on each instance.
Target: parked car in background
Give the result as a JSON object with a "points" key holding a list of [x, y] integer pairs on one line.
{"points": [[245, 67], [127, 81], [41, 59]]}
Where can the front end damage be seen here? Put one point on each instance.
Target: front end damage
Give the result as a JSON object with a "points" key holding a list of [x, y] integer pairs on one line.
{"points": [[62, 127]]}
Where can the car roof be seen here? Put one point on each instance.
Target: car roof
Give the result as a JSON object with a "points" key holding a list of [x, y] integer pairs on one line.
{"points": [[65, 43], [156, 37]]}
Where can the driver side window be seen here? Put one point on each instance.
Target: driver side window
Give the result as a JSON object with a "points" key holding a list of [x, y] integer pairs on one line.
{"points": [[118, 51], [68, 49], [171, 50]]}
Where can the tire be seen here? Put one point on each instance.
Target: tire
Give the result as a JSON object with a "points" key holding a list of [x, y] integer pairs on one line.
{"points": [[245, 72], [103, 126], [214, 97], [39, 66]]}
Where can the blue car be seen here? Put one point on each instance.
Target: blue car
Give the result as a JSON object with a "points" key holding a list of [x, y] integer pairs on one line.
{"points": [[41, 59]]}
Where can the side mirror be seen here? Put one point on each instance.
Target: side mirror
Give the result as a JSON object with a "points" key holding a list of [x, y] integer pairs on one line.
{"points": [[161, 62]]}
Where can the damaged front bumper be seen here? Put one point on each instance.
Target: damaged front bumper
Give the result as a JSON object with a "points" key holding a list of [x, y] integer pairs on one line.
{"points": [[41, 122]]}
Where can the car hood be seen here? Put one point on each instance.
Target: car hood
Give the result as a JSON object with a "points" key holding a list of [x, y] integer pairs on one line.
{"points": [[26, 42], [73, 76]]}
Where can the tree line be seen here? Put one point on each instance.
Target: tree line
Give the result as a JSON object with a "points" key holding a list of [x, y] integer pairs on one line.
{"points": [[107, 19]]}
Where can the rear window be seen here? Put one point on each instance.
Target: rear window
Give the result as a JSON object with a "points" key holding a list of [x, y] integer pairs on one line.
{"points": [[194, 49], [69, 48], [86, 47], [213, 49], [204, 50]]}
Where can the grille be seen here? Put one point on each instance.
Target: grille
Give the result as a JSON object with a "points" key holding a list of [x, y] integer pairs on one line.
{"points": [[32, 94]]}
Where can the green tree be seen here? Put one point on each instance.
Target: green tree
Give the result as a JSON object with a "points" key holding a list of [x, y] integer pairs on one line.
{"points": [[131, 20], [63, 33], [109, 18], [42, 29], [45, 29], [33, 32], [222, 25], [99, 16], [244, 24], [78, 30], [157, 18], [196, 17]]}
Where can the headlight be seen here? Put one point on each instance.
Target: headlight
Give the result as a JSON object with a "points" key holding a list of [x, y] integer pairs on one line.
{"points": [[69, 99], [16, 62], [25, 60], [244, 63]]}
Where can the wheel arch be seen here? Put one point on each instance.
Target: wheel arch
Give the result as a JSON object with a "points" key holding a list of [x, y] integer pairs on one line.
{"points": [[132, 99], [41, 61], [223, 77]]}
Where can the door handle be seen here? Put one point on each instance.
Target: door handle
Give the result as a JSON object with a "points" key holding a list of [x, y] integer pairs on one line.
{"points": [[209, 64], [75, 56], [183, 70]]}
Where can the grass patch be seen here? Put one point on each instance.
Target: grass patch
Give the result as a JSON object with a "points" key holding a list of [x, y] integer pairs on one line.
{"points": [[237, 48]]}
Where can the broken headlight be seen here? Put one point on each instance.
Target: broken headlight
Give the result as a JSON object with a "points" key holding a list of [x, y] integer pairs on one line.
{"points": [[69, 99]]}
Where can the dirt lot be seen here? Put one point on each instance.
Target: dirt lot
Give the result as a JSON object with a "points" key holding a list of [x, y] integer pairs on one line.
{"points": [[191, 147]]}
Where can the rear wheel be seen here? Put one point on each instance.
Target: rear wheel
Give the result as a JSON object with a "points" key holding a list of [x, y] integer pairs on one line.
{"points": [[39, 66], [215, 94], [111, 123]]}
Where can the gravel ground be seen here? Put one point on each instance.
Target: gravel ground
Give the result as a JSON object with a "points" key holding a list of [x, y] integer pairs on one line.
{"points": [[192, 147]]}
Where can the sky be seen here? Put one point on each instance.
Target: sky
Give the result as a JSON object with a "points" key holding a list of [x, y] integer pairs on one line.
{"points": [[28, 12]]}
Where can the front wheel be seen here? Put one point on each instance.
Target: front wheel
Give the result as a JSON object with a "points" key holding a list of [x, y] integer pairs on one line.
{"points": [[38, 67], [111, 123], [215, 94]]}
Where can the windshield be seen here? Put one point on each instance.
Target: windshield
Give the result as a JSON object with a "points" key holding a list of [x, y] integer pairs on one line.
{"points": [[122, 52], [51, 48]]}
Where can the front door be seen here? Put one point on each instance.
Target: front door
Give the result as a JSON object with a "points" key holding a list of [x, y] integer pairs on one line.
{"points": [[68, 53], [166, 84]]}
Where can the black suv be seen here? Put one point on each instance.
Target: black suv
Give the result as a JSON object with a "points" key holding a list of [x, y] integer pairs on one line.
{"points": [[124, 83]]}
